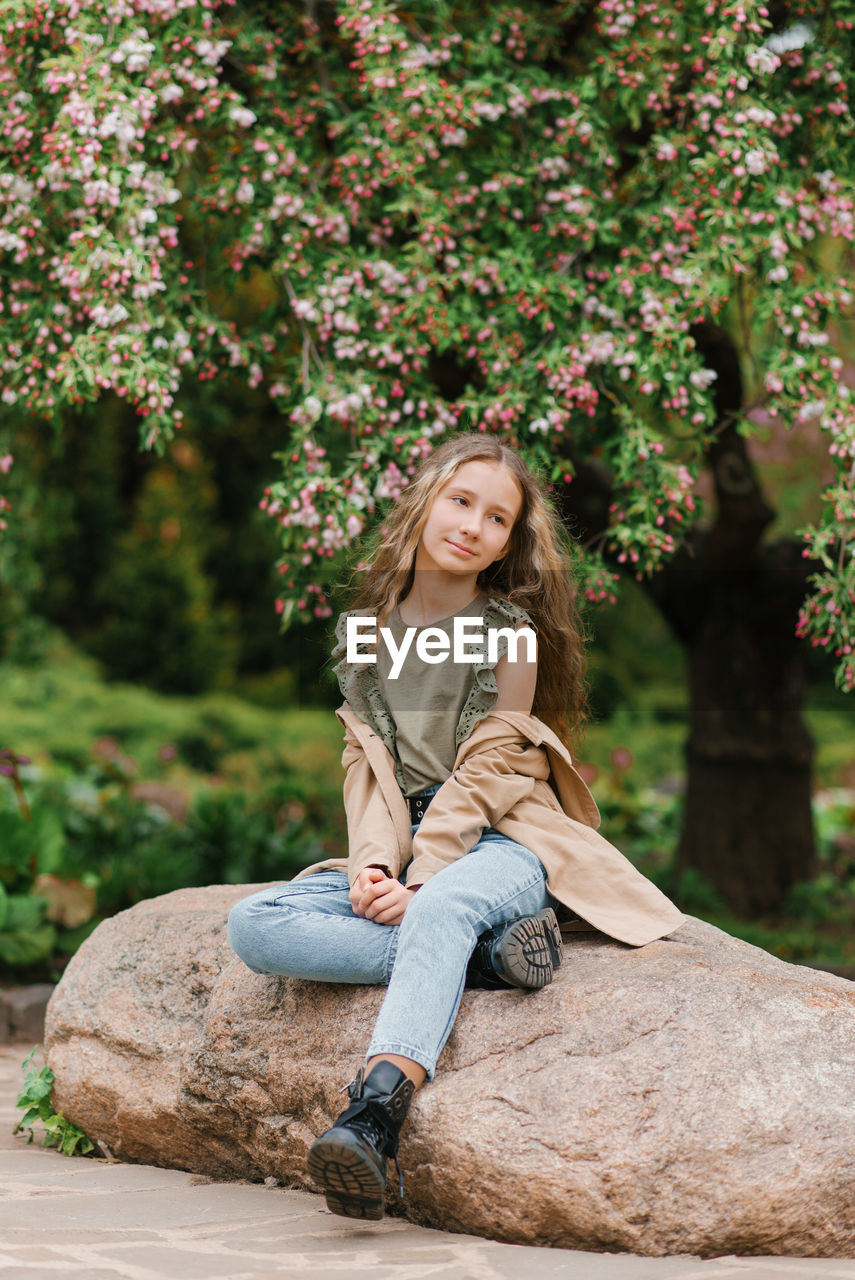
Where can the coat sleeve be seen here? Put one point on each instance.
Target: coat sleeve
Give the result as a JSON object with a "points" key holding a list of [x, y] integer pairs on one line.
{"points": [[371, 836], [486, 786]]}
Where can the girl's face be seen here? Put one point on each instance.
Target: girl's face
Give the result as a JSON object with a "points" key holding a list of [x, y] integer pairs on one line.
{"points": [[471, 518]]}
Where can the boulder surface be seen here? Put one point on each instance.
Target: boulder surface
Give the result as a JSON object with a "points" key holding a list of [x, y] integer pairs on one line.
{"points": [[692, 1096]]}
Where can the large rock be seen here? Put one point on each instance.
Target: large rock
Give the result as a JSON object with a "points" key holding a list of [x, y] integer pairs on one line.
{"points": [[693, 1096]]}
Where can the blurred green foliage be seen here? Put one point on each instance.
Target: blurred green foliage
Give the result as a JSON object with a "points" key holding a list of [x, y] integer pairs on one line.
{"points": [[131, 793], [160, 566], [814, 926], [63, 707], [94, 843], [159, 623]]}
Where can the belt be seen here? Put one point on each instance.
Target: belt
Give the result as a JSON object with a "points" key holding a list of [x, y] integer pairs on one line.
{"points": [[418, 805]]}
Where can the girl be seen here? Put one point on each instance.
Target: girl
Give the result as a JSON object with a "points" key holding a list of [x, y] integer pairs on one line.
{"points": [[466, 819]]}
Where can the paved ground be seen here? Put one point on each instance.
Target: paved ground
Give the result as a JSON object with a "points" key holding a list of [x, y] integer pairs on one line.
{"points": [[98, 1221]]}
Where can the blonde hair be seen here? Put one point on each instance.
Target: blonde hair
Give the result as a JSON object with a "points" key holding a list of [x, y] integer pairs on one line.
{"points": [[534, 573]]}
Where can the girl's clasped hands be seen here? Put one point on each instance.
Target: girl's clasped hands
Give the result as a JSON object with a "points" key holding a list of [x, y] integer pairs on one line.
{"points": [[379, 897]]}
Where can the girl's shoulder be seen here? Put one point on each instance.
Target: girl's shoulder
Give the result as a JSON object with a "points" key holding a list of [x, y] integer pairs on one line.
{"points": [[340, 647], [346, 671], [501, 613]]}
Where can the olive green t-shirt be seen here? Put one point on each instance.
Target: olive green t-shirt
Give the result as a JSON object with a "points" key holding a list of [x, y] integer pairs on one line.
{"points": [[425, 700], [438, 739]]}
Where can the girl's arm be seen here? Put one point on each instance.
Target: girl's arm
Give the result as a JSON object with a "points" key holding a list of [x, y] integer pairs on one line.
{"points": [[371, 837], [516, 681]]}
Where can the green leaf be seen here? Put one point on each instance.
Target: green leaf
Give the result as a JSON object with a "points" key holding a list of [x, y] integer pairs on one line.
{"points": [[23, 912], [74, 1140], [58, 1131], [39, 1088], [23, 948], [15, 839], [48, 838]]}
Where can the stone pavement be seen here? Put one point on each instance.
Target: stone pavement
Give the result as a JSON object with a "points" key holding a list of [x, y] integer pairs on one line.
{"points": [[100, 1221]]}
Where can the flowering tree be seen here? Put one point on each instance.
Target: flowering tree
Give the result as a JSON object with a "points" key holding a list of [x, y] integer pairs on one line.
{"points": [[607, 229]]}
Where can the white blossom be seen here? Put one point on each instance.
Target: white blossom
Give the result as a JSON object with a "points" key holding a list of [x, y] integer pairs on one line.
{"points": [[755, 161], [702, 378], [135, 52], [813, 409], [806, 338], [762, 61], [212, 53], [304, 309], [108, 317], [115, 124], [242, 116], [489, 110], [794, 37]]}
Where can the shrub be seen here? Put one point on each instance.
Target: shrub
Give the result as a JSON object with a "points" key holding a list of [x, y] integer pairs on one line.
{"points": [[75, 851]]}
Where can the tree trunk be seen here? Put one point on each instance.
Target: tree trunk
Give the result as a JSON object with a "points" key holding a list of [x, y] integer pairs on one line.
{"points": [[733, 602], [747, 822]]}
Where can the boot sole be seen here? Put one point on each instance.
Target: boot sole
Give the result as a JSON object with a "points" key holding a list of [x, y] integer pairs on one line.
{"points": [[531, 950], [353, 1186]]}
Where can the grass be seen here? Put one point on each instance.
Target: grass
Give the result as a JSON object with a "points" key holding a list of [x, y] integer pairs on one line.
{"points": [[58, 713]]}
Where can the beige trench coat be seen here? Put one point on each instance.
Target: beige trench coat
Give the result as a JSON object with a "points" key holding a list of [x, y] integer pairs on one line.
{"points": [[512, 773]]}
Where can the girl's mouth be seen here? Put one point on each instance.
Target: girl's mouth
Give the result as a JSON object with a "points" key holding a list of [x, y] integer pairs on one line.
{"points": [[467, 551]]}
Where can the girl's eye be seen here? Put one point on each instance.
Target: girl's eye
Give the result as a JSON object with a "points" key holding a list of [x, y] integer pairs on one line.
{"points": [[501, 519], [458, 498]]}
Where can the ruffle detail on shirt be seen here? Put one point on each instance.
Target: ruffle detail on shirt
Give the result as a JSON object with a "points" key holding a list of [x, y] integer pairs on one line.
{"points": [[360, 688], [485, 691]]}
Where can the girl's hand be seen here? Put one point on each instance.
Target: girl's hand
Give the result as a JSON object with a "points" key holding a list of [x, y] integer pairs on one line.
{"points": [[380, 898], [389, 902], [361, 894]]}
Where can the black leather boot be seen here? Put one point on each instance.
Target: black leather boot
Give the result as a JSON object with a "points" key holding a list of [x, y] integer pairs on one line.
{"points": [[349, 1160], [519, 953]]}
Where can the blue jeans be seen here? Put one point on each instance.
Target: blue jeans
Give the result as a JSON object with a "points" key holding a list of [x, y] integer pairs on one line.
{"points": [[308, 929]]}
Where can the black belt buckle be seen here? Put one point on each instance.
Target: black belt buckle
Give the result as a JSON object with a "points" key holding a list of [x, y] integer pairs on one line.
{"points": [[418, 805]]}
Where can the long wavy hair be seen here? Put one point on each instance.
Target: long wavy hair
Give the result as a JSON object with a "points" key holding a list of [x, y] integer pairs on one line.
{"points": [[534, 573]]}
